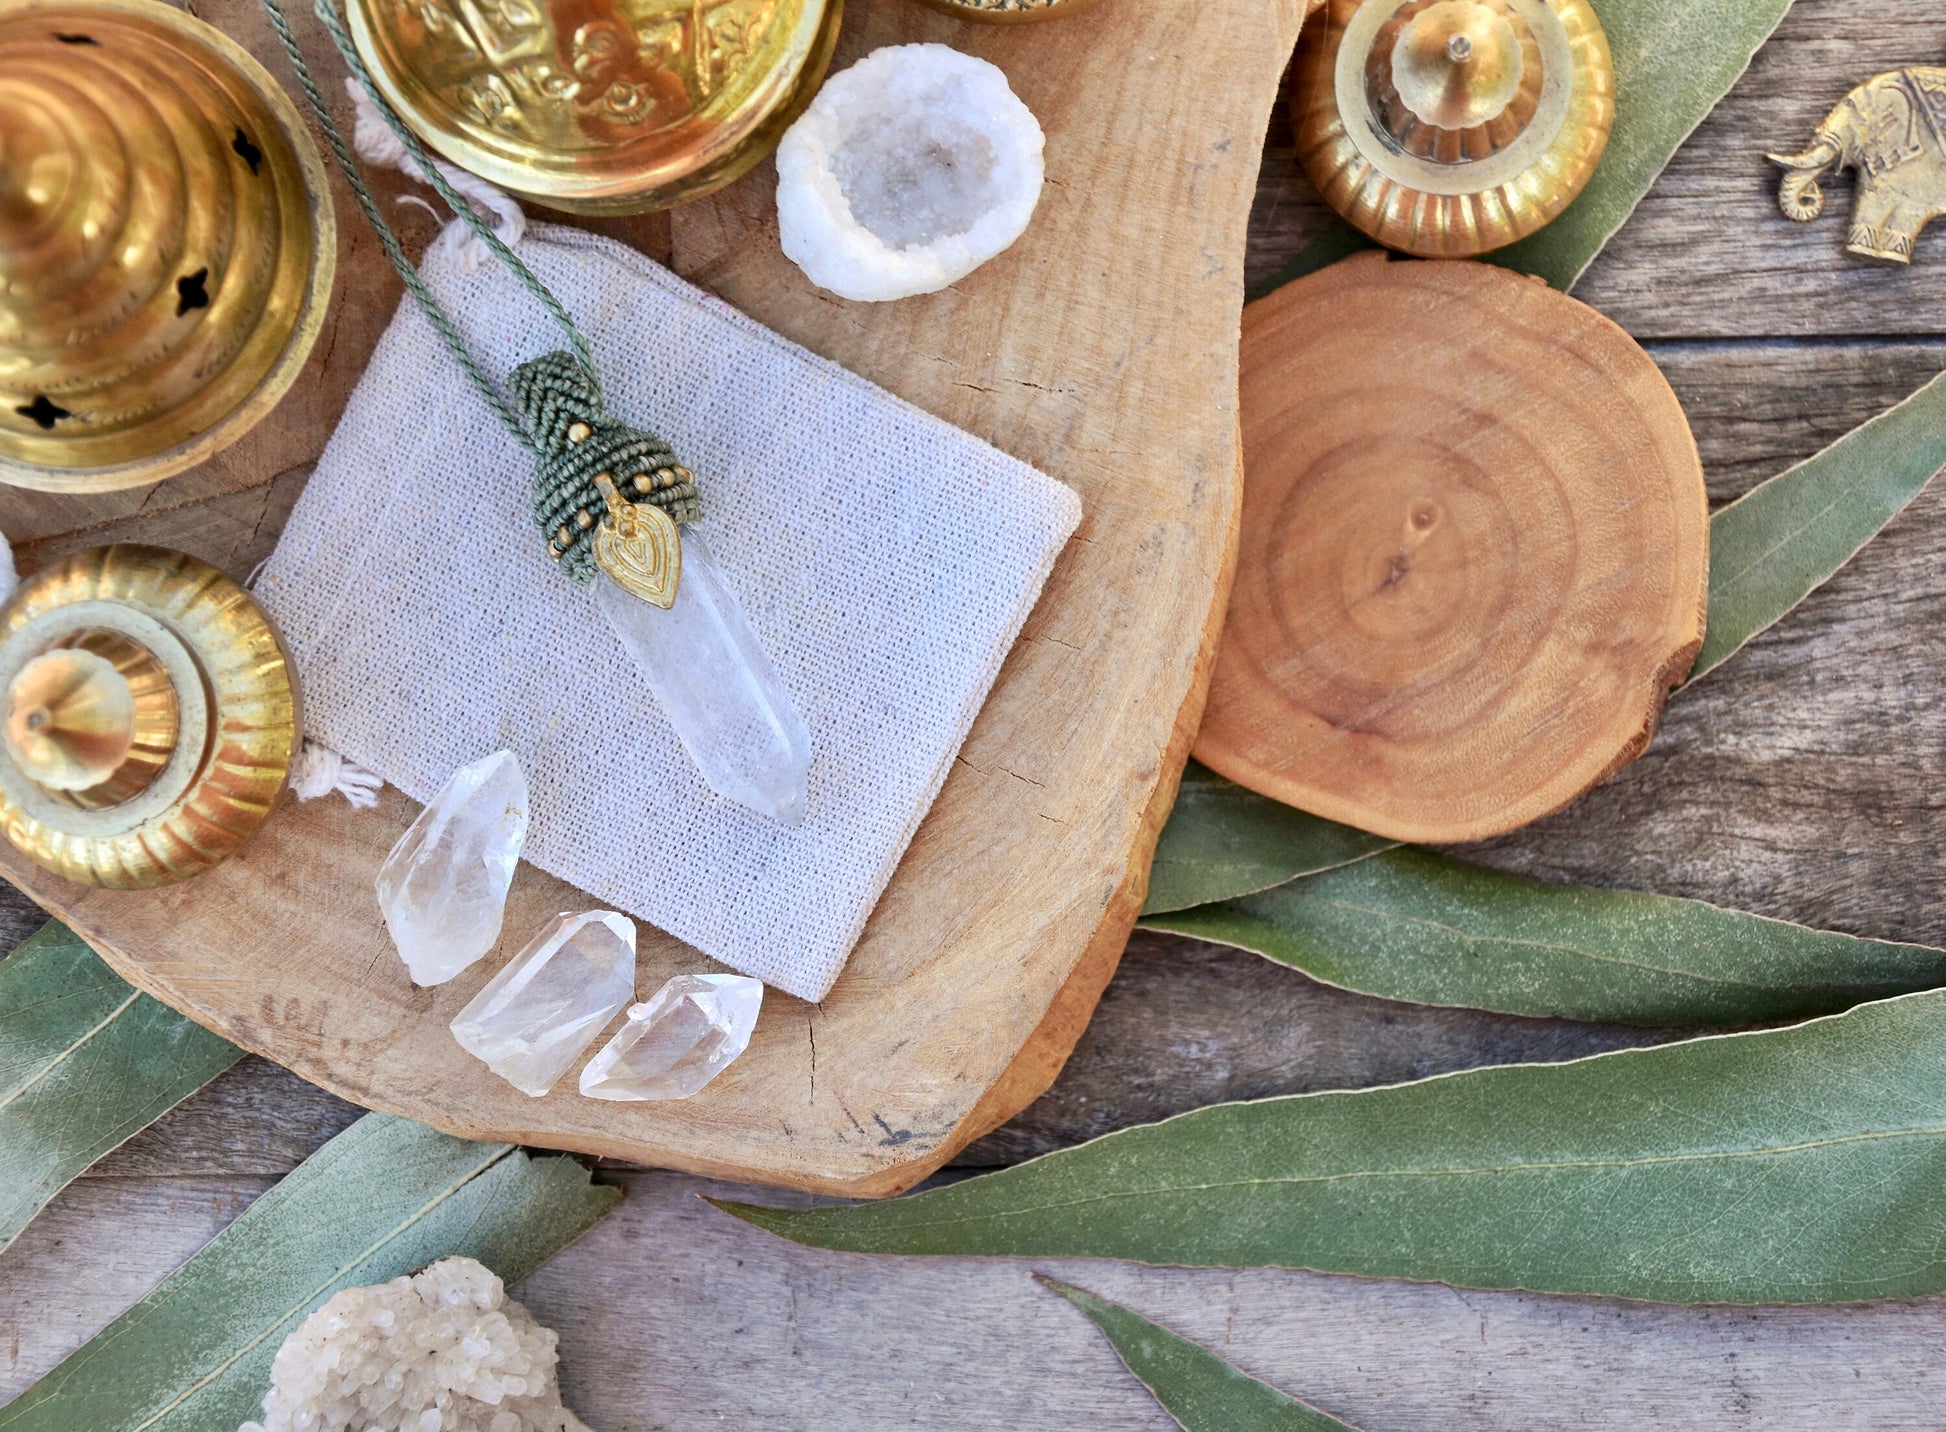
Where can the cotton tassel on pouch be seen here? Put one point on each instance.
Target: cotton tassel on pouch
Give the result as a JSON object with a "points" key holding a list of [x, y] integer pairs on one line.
{"points": [[616, 510]]}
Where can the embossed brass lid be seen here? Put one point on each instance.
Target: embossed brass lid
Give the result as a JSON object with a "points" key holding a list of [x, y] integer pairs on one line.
{"points": [[1448, 128], [166, 243], [148, 717], [599, 106], [1012, 12]]}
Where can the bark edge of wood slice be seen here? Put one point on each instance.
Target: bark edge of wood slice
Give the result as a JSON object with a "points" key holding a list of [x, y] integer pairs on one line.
{"points": [[1474, 556], [983, 961]]}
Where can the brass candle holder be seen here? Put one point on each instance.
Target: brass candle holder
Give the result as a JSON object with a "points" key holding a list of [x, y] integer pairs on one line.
{"points": [[605, 107], [166, 243], [148, 717], [1448, 128]]}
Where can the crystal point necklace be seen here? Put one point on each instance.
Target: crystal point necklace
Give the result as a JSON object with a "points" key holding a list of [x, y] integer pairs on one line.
{"points": [[614, 506]]}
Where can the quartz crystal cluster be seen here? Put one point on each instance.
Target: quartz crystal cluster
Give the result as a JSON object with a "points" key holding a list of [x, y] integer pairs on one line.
{"points": [[443, 889], [716, 686], [908, 171], [678, 1041], [445, 1350], [534, 1018]]}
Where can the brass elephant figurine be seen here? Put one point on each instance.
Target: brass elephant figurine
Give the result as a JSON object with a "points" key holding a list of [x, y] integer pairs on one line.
{"points": [[1892, 131]]}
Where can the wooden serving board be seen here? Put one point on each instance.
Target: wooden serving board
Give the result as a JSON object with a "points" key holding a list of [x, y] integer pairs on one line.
{"points": [[1103, 349]]}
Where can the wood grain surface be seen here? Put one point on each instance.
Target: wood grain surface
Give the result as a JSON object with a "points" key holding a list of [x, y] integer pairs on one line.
{"points": [[1802, 779], [1474, 552], [988, 950]]}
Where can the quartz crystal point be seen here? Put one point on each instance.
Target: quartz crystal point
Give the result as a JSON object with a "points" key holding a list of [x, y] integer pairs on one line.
{"points": [[443, 888], [713, 681], [537, 1015], [680, 1040]]}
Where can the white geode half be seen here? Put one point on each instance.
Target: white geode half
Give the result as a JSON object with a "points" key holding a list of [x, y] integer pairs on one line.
{"points": [[908, 171], [445, 1350]]}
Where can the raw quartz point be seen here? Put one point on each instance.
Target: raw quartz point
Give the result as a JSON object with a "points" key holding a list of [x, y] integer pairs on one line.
{"points": [[710, 676], [443, 888], [537, 1015], [680, 1040]]}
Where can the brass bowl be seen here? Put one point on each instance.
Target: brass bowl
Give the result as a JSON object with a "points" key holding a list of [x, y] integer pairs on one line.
{"points": [[597, 106], [166, 243], [1448, 128], [150, 717]]}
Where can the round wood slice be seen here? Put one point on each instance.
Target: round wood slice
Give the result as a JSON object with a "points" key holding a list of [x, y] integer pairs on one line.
{"points": [[1474, 556]]}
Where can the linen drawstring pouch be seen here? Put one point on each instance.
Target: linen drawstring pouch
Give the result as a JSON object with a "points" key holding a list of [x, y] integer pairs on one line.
{"points": [[886, 559]]}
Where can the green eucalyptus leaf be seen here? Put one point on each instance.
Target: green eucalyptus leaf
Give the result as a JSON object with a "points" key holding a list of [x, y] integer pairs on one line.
{"points": [[86, 1061], [383, 1199], [1782, 540], [1413, 926], [1674, 59], [1195, 1386], [1223, 841], [1798, 1165]]}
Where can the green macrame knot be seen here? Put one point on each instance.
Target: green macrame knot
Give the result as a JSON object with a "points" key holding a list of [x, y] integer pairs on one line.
{"points": [[561, 407]]}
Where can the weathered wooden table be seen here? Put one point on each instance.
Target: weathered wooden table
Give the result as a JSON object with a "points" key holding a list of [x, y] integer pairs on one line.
{"points": [[1798, 781]]}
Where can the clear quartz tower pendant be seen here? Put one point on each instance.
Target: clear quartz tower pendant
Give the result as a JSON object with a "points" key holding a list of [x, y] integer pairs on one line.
{"points": [[714, 682], [658, 585]]}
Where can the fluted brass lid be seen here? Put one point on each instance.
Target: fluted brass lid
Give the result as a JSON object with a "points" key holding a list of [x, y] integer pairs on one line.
{"points": [[599, 106], [148, 717], [93, 720], [1448, 128], [166, 242]]}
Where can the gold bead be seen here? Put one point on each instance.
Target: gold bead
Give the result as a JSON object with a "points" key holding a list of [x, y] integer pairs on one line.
{"points": [[641, 482], [583, 519], [562, 535], [683, 474], [665, 477], [579, 433]]}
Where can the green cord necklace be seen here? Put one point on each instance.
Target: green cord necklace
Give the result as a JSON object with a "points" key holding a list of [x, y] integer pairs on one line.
{"points": [[606, 496], [612, 503]]}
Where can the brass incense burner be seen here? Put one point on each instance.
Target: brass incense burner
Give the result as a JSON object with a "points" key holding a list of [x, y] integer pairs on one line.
{"points": [[1447, 128], [599, 106], [148, 718], [166, 243]]}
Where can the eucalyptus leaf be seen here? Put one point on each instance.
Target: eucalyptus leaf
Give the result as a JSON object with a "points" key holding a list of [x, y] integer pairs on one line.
{"points": [[383, 1199], [1195, 1386], [86, 1061], [1798, 1165], [1784, 539], [1413, 926], [1223, 841]]}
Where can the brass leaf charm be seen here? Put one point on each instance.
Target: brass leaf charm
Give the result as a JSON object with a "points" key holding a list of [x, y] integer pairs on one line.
{"points": [[639, 546]]}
